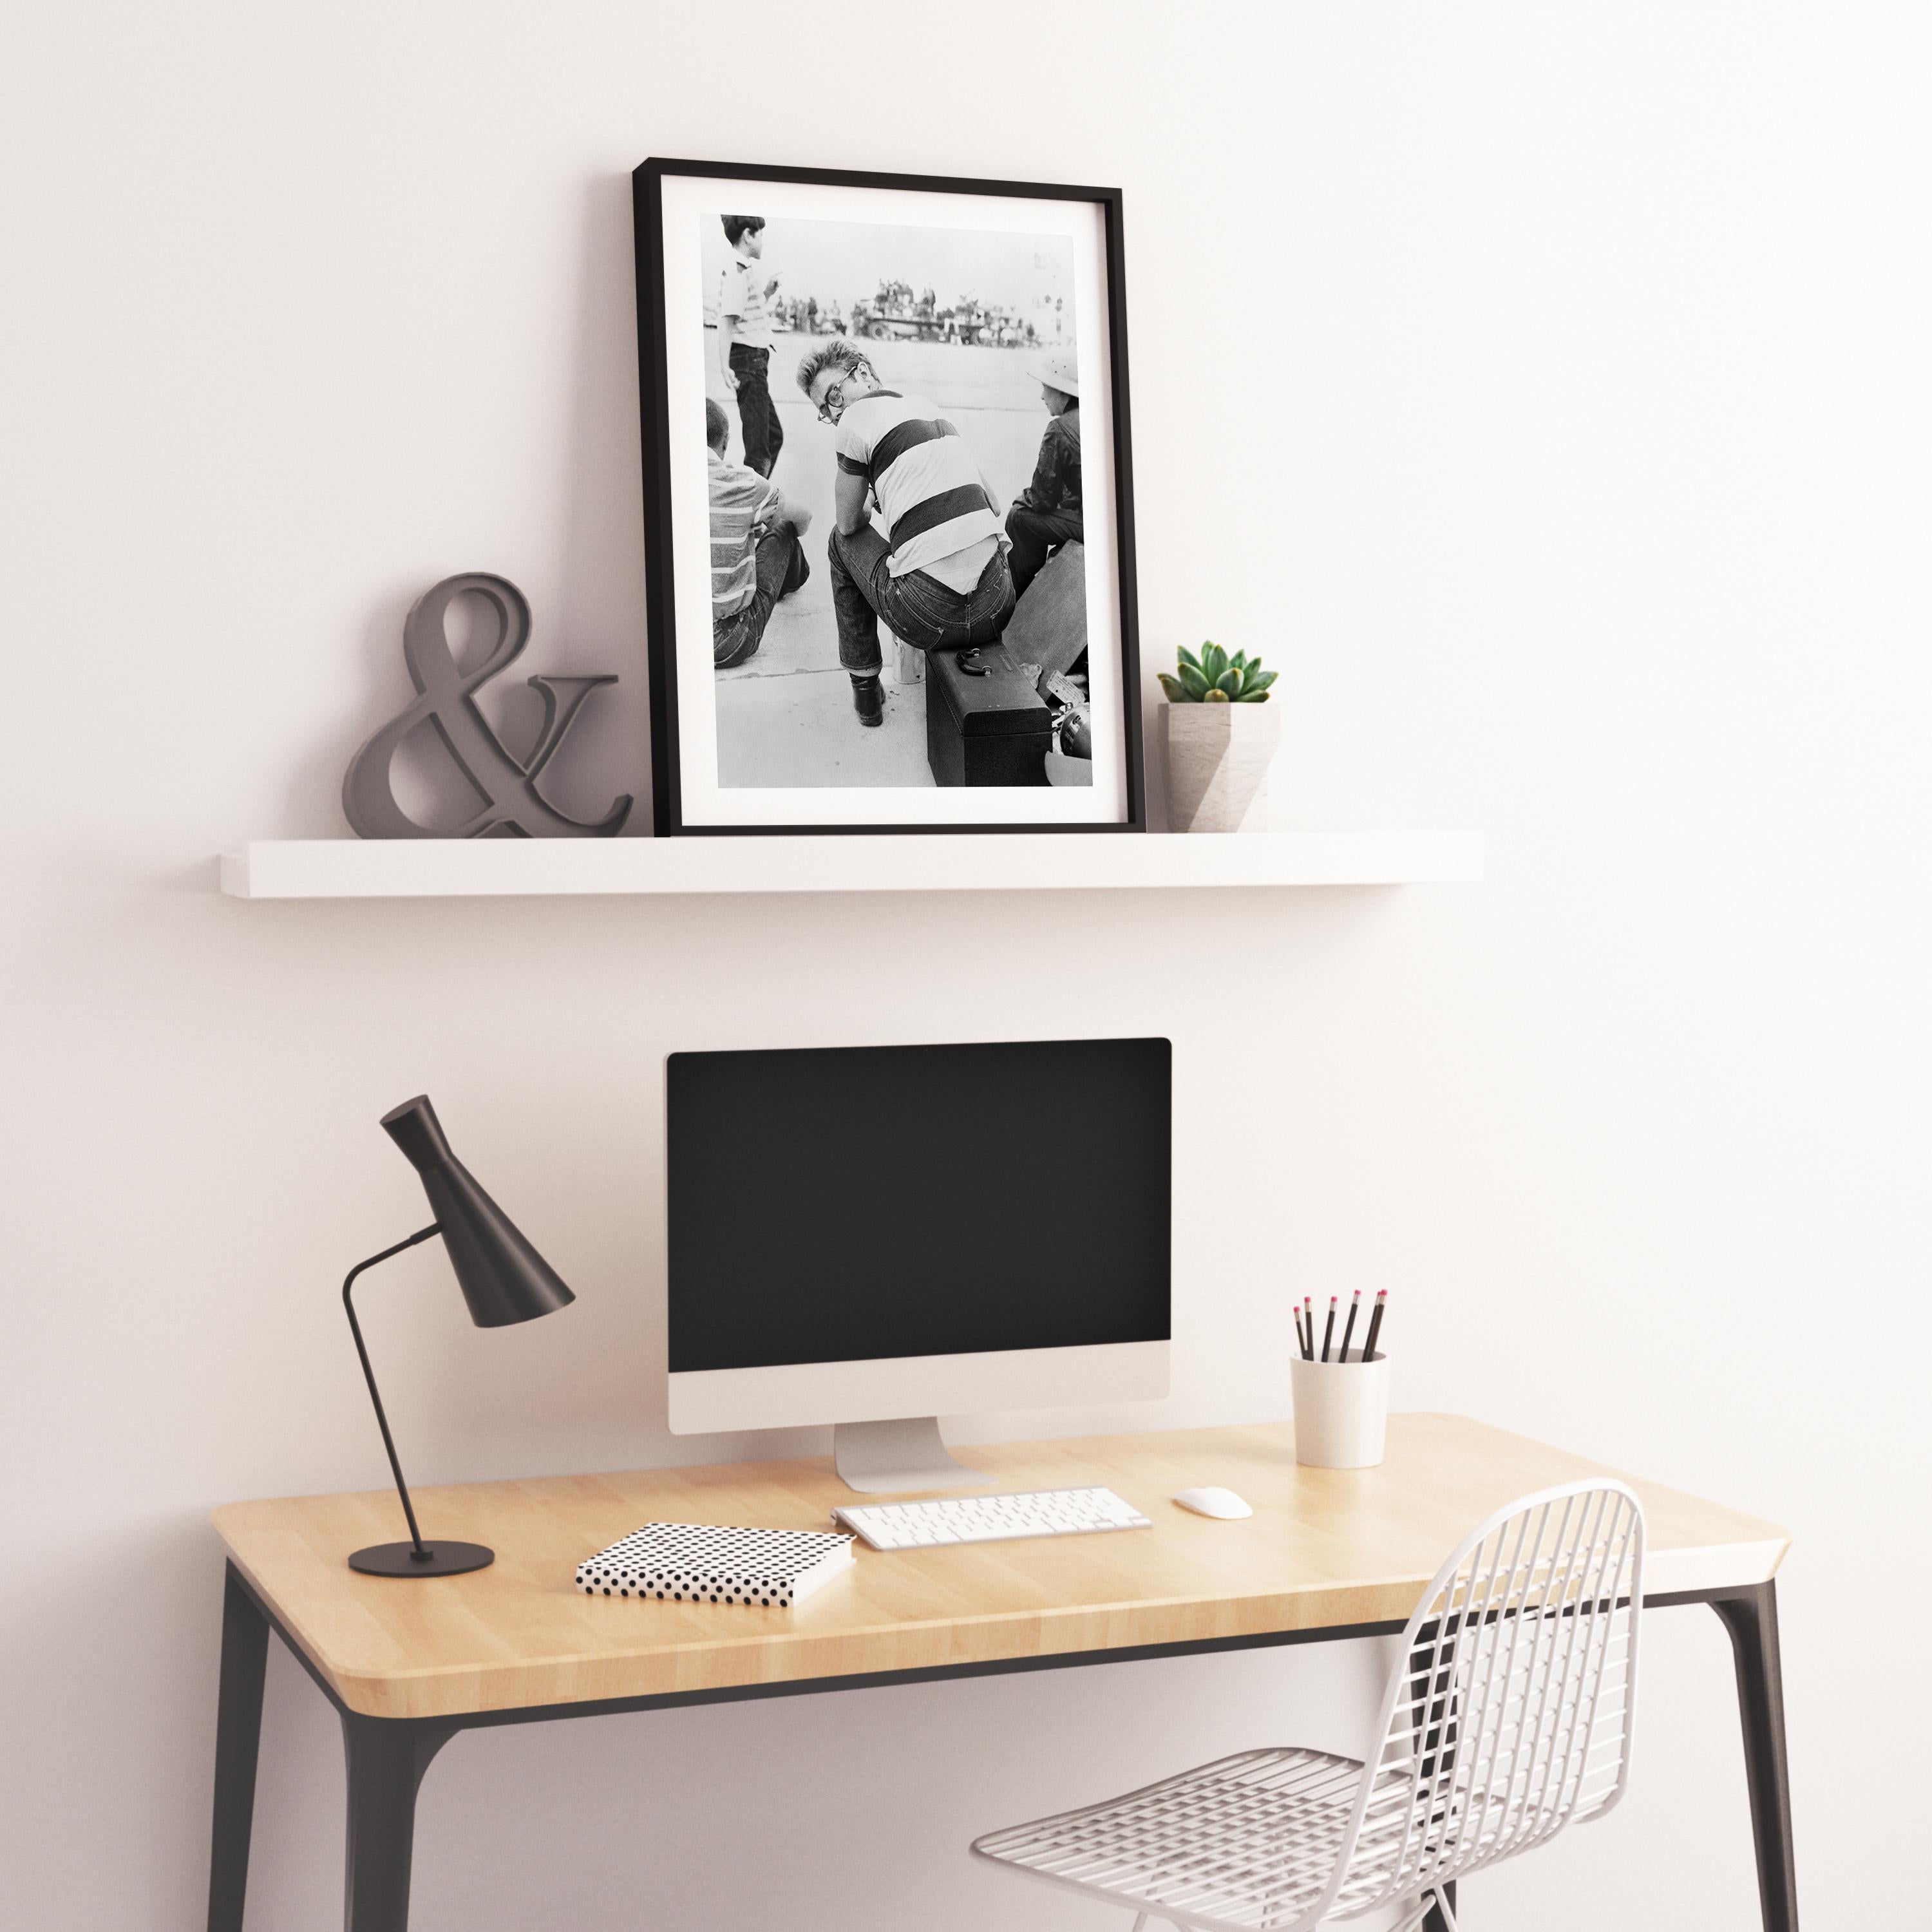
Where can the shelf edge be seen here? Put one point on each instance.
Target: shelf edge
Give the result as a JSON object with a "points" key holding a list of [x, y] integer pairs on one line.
{"points": [[350, 869]]}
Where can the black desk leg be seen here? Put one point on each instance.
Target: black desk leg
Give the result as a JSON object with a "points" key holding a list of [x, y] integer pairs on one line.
{"points": [[387, 1758], [1438, 1722], [237, 1742], [1751, 1618]]}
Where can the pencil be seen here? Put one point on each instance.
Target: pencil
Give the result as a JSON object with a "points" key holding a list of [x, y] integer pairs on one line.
{"points": [[1328, 1333], [1375, 1326], [1354, 1309], [1301, 1339], [1308, 1315]]}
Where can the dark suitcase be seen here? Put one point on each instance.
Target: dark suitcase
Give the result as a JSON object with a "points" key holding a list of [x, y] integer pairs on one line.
{"points": [[991, 730]]}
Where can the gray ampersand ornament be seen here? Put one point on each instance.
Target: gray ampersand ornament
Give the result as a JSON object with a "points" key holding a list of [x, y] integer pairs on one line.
{"points": [[446, 699]]}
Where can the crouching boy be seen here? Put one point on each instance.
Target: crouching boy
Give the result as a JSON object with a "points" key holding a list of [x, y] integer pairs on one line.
{"points": [[756, 557]]}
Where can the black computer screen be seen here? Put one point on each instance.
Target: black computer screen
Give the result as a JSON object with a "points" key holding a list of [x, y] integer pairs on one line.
{"points": [[855, 1203]]}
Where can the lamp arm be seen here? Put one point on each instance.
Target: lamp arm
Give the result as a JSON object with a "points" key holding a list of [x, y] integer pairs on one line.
{"points": [[369, 1376]]}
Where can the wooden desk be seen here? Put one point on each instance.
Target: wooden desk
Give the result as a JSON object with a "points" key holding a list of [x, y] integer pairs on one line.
{"points": [[1327, 1554]]}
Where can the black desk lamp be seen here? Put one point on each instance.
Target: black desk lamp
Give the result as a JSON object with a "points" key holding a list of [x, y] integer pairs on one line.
{"points": [[503, 1279]]}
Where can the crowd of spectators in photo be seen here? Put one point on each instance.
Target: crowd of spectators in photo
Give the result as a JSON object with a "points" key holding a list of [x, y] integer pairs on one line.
{"points": [[966, 320]]}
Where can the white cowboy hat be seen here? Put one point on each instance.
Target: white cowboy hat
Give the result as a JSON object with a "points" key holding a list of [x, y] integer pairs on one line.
{"points": [[1058, 371]]}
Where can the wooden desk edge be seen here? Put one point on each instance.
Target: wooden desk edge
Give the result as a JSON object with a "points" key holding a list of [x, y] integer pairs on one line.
{"points": [[706, 1665]]}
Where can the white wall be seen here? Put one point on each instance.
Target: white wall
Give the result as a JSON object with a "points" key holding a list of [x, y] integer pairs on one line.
{"points": [[1545, 388]]}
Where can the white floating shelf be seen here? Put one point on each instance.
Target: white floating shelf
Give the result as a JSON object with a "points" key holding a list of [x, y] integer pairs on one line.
{"points": [[343, 868]]}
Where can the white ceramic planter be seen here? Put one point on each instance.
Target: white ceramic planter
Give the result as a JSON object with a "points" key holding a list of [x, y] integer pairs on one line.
{"points": [[1341, 1410], [1218, 757]]}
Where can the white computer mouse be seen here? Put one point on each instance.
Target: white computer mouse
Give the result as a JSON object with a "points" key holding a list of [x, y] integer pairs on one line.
{"points": [[1222, 1503]]}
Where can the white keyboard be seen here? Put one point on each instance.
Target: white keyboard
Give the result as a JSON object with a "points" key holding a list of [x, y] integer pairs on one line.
{"points": [[989, 1519]]}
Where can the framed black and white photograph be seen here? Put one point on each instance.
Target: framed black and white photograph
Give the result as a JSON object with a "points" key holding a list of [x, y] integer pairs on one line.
{"points": [[888, 505]]}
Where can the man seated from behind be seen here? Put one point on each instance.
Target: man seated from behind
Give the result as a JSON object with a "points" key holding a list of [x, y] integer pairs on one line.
{"points": [[939, 576], [756, 557], [1047, 513]]}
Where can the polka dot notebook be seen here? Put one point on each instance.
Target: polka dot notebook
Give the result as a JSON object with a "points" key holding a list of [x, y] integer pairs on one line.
{"points": [[707, 1563]]}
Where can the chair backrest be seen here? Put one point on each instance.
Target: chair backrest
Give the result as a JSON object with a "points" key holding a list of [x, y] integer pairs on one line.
{"points": [[1509, 1714]]}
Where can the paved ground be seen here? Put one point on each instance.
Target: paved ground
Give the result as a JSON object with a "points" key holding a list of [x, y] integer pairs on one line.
{"points": [[786, 718]]}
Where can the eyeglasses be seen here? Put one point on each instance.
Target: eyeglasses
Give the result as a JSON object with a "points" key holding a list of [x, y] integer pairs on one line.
{"points": [[825, 415]]}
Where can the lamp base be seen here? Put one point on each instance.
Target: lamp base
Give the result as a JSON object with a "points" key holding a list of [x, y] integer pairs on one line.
{"points": [[400, 1559]]}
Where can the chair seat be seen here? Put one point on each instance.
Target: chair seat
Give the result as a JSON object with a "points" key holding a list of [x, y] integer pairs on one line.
{"points": [[1249, 1843], [1506, 1717]]}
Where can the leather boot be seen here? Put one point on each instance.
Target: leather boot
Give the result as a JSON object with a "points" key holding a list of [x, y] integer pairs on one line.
{"points": [[869, 699]]}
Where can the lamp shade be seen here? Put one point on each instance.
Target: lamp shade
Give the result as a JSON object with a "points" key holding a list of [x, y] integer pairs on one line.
{"points": [[503, 1279]]}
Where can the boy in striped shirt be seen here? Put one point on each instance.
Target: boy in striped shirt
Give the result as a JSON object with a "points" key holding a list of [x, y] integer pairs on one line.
{"points": [[756, 557], [940, 577]]}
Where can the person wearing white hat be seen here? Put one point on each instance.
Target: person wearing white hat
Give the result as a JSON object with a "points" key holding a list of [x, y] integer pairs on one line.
{"points": [[1047, 513]]}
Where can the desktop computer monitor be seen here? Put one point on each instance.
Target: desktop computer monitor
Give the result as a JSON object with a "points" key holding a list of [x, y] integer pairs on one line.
{"points": [[875, 1237]]}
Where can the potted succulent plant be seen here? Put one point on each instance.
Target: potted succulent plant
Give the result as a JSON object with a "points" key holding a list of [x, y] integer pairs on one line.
{"points": [[1220, 741]]}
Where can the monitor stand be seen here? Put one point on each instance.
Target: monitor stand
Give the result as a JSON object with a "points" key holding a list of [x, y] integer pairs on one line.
{"points": [[880, 1458]]}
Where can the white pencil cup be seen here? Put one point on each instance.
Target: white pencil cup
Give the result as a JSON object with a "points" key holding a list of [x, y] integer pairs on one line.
{"points": [[1341, 1410]]}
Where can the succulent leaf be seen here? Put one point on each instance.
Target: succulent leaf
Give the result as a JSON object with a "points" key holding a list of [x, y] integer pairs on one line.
{"points": [[1213, 677]]}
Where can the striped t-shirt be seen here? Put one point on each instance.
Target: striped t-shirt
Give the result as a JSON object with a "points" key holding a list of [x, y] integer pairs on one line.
{"points": [[741, 296], [923, 474], [741, 499]]}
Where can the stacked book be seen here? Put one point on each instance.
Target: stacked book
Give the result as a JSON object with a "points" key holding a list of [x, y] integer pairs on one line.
{"points": [[707, 1563]]}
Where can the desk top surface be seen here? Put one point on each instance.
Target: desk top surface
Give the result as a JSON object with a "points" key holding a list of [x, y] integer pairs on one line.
{"points": [[1325, 1549]]}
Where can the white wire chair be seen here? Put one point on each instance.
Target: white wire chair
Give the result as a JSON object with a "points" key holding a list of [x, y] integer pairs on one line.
{"points": [[1508, 1718]]}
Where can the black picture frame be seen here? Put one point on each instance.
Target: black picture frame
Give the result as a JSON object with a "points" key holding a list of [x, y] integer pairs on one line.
{"points": [[647, 183]]}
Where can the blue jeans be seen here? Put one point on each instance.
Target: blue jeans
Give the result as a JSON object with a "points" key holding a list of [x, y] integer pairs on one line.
{"points": [[764, 435], [782, 569], [1037, 535], [919, 608]]}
